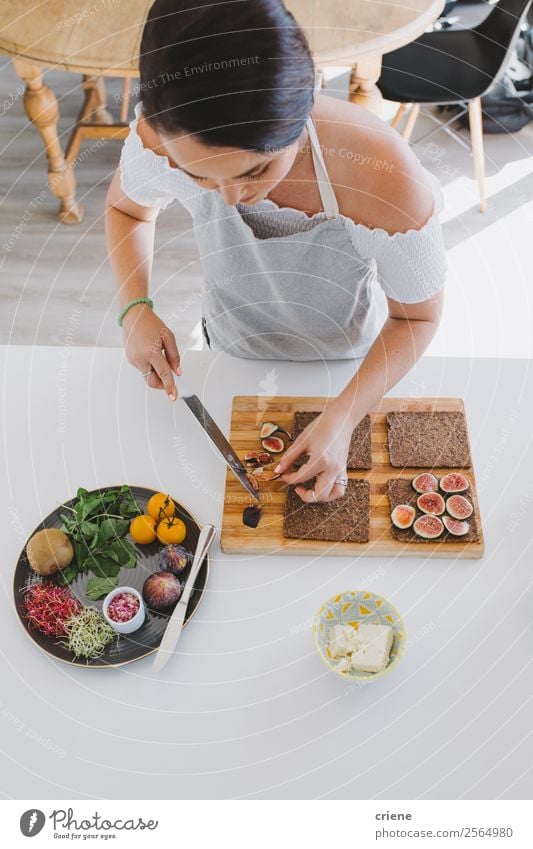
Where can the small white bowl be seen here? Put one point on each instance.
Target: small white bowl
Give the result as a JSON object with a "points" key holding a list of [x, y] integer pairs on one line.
{"points": [[352, 607], [132, 624]]}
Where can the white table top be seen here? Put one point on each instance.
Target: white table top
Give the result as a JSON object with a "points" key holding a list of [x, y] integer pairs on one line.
{"points": [[246, 708]]}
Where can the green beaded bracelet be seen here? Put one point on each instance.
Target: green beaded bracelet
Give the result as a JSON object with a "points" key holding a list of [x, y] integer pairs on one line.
{"points": [[132, 304]]}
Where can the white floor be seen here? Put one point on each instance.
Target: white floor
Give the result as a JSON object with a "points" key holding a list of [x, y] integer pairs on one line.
{"points": [[57, 287], [489, 305]]}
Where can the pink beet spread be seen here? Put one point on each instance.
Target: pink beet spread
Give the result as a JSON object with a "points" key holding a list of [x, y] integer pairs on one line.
{"points": [[123, 607]]}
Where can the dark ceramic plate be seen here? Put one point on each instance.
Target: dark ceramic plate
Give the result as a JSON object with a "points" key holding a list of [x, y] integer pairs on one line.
{"points": [[128, 647]]}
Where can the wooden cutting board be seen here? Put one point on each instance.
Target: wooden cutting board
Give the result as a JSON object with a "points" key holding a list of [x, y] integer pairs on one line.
{"points": [[247, 414]]}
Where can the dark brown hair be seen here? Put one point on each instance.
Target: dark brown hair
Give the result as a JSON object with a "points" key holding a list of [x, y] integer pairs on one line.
{"points": [[237, 73]]}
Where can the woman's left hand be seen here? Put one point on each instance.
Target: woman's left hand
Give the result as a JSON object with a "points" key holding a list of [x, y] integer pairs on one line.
{"points": [[326, 440]]}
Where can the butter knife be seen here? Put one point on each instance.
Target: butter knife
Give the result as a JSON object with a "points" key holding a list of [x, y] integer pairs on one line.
{"points": [[216, 436], [175, 623]]}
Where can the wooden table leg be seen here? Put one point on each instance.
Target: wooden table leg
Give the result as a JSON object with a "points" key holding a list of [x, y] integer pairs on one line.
{"points": [[42, 110], [124, 105], [363, 88], [92, 113], [96, 98]]}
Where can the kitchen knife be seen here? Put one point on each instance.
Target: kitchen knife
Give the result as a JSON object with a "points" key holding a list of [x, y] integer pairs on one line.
{"points": [[216, 436], [175, 623]]}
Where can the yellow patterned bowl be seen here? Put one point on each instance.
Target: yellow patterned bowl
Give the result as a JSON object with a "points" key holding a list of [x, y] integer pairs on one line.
{"points": [[351, 608]]}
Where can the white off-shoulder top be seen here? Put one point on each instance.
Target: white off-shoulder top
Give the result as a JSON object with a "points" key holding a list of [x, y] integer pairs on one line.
{"points": [[407, 267]]}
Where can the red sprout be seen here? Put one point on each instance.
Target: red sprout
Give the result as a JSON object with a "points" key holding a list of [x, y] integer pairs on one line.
{"points": [[49, 607]]}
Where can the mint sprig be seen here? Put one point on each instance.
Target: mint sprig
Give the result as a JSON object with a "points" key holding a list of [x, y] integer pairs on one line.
{"points": [[96, 524]]}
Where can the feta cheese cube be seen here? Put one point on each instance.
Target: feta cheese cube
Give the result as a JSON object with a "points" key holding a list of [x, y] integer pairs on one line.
{"points": [[343, 665], [341, 640], [373, 649], [366, 649]]}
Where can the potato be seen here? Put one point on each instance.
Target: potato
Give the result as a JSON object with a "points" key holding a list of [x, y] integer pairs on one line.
{"points": [[48, 551]]}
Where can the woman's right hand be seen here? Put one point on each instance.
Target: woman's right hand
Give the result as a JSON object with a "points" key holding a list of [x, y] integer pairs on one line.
{"points": [[151, 347]]}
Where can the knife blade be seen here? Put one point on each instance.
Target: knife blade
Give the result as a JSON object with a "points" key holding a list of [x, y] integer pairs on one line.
{"points": [[175, 623], [217, 437]]}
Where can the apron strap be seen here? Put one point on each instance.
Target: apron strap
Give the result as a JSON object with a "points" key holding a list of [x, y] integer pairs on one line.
{"points": [[327, 195]]}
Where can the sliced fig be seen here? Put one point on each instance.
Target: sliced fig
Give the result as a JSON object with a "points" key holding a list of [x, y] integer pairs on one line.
{"points": [[426, 482], [253, 480], [273, 444], [251, 458], [264, 458], [428, 527], [459, 507], [270, 428], [455, 526], [262, 474], [403, 515], [431, 502], [454, 482], [251, 516], [267, 429]]}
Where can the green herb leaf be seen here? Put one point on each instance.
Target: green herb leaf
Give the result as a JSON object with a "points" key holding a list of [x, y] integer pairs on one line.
{"points": [[66, 520], [67, 575], [127, 558], [131, 552], [105, 568], [87, 563], [123, 552], [122, 527], [128, 508], [107, 530], [89, 506], [80, 552], [97, 533], [99, 587], [94, 545], [130, 563]]}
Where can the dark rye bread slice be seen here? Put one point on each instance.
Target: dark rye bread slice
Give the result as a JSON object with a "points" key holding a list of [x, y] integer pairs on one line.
{"points": [[359, 454], [347, 519], [428, 440], [401, 492]]}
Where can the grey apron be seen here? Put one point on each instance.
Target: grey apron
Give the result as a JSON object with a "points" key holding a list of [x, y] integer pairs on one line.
{"points": [[280, 285]]}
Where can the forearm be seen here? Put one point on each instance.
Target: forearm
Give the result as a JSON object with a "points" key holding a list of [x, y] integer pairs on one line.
{"points": [[398, 347], [130, 247]]}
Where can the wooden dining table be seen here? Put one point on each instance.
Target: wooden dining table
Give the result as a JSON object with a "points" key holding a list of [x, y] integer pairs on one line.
{"points": [[101, 38]]}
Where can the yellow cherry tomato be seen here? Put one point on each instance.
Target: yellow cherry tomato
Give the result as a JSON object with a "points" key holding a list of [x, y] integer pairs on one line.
{"points": [[142, 529], [160, 506], [171, 530]]}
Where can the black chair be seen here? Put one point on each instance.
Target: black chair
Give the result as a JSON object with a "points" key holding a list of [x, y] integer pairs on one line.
{"points": [[454, 66]]}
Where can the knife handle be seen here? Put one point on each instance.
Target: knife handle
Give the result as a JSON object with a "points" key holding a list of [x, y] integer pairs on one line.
{"points": [[184, 390], [206, 537], [175, 623]]}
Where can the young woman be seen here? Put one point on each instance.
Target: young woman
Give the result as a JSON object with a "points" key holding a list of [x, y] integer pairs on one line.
{"points": [[316, 226]]}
